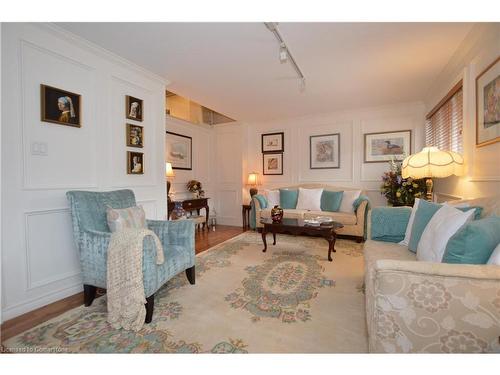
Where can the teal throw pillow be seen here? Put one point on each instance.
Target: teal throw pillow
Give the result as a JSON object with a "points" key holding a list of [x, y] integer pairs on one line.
{"points": [[288, 198], [262, 200], [474, 242], [330, 200]]}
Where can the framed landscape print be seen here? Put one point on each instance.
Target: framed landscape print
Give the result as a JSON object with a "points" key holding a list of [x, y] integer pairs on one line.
{"points": [[135, 162], [382, 146], [135, 136], [273, 142], [60, 106], [488, 105], [179, 151], [324, 151], [134, 108], [272, 164]]}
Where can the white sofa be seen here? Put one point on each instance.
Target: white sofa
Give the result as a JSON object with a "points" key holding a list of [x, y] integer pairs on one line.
{"points": [[414, 306], [354, 222]]}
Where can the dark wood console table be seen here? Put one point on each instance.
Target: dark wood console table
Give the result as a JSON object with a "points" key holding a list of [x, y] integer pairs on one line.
{"points": [[190, 205]]}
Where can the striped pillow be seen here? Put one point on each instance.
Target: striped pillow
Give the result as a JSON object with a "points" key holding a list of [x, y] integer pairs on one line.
{"points": [[132, 217]]}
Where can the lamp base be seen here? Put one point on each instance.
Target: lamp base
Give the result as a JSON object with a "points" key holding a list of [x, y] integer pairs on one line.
{"points": [[429, 194], [168, 190], [253, 191]]}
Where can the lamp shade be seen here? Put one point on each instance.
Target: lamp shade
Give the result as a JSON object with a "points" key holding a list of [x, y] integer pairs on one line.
{"points": [[431, 162], [169, 172], [253, 179]]}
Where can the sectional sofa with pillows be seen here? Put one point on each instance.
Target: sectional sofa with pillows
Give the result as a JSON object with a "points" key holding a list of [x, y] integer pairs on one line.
{"points": [[346, 205], [432, 277]]}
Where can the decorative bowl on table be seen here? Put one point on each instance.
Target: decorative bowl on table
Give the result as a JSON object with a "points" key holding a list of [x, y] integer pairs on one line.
{"points": [[276, 214]]}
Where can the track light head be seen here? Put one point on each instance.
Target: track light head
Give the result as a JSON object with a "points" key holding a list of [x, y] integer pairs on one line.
{"points": [[283, 53]]}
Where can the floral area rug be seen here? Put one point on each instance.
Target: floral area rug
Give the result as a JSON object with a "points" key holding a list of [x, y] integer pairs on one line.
{"points": [[287, 300]]}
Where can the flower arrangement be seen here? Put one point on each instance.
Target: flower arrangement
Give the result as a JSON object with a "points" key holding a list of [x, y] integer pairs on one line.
{"points": [[399, 191], [195, 187]]}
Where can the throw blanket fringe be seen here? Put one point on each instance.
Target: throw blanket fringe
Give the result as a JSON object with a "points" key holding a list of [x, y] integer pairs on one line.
{"points": [[125, 286]]}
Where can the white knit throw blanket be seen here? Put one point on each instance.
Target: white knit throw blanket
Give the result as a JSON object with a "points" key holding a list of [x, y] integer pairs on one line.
{"points": [[125, 287]]}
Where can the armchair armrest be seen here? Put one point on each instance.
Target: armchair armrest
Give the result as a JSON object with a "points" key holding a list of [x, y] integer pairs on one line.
{"points": [[388, 224], [430, 307]]}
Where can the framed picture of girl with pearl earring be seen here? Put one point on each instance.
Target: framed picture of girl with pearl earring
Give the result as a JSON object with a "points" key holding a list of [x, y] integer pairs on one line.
{"points": [[60, 106]]}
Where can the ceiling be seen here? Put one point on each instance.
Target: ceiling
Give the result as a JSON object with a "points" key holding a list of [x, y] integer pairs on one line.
{"points": [[233, 68]]}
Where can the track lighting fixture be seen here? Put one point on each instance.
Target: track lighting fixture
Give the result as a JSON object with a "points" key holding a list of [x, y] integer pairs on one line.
{"points": [[283, 53]]}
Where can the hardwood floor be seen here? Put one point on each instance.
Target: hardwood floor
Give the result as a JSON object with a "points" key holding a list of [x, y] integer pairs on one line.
{"points": [[203, 241]]}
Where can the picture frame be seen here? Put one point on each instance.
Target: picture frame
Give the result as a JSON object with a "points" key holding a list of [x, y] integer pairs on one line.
{"points": [[324, 151], [272, 163], [135, 162], [135, 136], [488, 105], [59, 106], [381, 147], [273, 142], [179, 151], [134, 108]]}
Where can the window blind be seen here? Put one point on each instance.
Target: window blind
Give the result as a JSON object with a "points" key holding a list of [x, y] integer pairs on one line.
{"points": [[443, 126]]}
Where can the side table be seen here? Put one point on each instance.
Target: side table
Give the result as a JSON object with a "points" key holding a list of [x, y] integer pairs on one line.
{"points": [[245, 212]]}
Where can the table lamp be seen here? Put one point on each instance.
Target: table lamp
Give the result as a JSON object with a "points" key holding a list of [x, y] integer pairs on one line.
{"points": [[431, 162], [169, 172], [253, 181]]}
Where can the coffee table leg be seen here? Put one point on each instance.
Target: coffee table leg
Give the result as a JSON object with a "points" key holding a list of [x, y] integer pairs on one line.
{"points": [[274, 238], [331, 246], [264, 239]]}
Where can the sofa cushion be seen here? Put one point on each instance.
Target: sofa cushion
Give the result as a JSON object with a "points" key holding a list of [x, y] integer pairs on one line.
{"points": [[348, 198], [330, 200], [309, 199], [262, 200], [123, 218], [288, 198], [474, 242], [495, 256], [406, 240], [341, 217], [273, 197], [376, 250]]}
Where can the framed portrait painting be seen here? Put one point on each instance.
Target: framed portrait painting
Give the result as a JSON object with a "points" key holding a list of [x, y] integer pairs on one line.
{"points": [[133, 108], [384, 146], [60, 106], [135, 136], [273, 142], [324, 151], [135, 162], [488, 105], [272, 164], [179, 151]]}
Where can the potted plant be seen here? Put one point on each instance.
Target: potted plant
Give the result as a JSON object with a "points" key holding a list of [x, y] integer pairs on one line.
{"points": [[399, 191]]}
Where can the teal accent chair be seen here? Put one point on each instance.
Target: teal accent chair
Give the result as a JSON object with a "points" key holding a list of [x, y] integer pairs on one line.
{"points": [[92, 235]]}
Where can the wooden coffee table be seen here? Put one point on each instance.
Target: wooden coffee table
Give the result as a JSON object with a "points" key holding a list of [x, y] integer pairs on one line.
{"points": [[298, 226]]}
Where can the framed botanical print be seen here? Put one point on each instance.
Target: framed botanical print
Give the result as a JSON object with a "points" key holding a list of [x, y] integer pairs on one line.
{"points": [[488, 105], [179, 151], [133, 108], [135, 136], [135, 162], [273, 142], [385, 146], [272, 164], [60, 106], [324, 151]]}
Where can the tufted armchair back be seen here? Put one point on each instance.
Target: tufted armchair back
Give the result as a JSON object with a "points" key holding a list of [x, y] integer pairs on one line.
{"points": [[88, 208]]}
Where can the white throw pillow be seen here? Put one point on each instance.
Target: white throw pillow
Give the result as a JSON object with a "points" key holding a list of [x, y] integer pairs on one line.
{"points": [[495, 256], [273, 197], [348, 199], [444, 224], [406, 240], [309, 199]]}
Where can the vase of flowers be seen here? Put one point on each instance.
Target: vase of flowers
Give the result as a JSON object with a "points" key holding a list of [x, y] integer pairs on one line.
{"points": [[195, 187], [400, 191]]}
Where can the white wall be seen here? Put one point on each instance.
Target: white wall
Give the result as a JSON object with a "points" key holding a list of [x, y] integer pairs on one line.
{"points": [[39, 259], [351, 125], [479, 49]]}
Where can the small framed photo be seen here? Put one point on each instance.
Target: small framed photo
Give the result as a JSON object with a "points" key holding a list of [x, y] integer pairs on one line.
{"points": [[134, 108], [179, 151], [488, 105], [60, 106], [384, 146], [135, 136], [272, 164], [324, 151], [273, 142], [135, 162]]}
